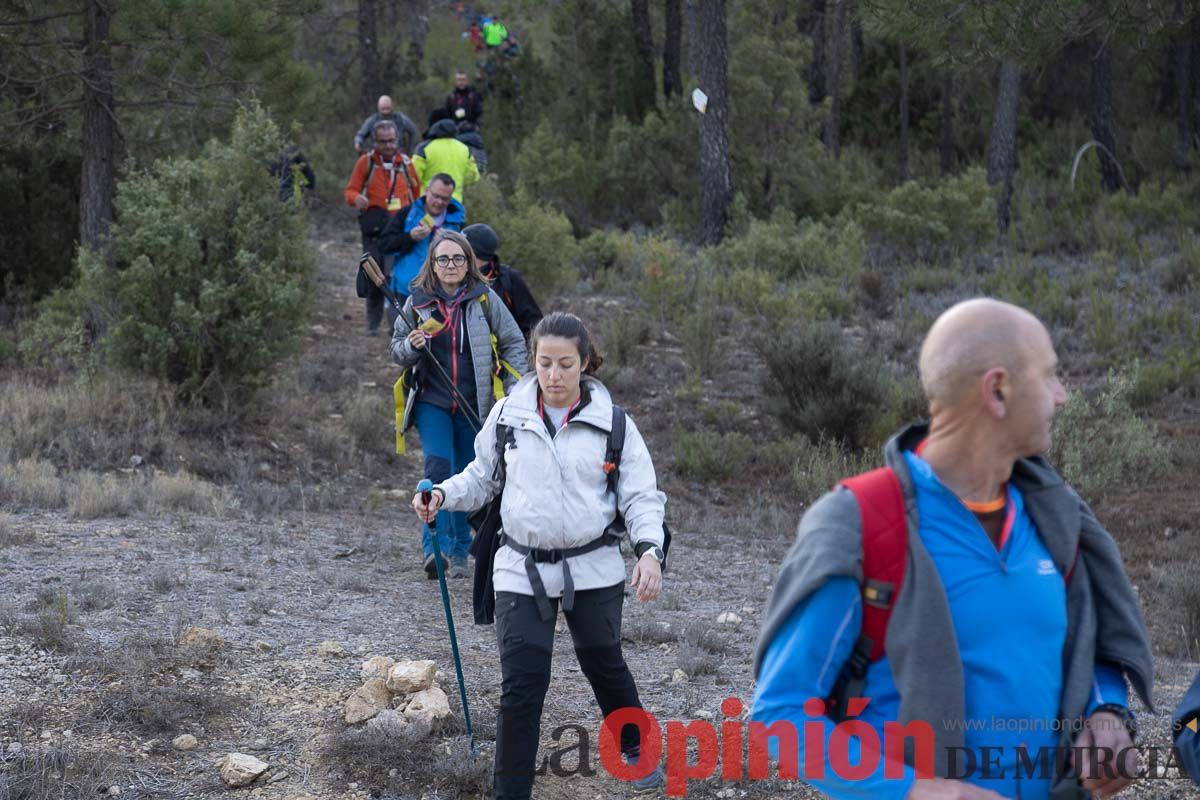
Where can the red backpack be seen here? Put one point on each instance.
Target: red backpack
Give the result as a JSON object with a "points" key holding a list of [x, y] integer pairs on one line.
{"points": [[885, 557]]}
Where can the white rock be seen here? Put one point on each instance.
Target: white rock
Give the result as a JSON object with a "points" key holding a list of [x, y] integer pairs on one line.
{"points": [[377, 667], [277, 777], [185, 742], [387, 724], [430, 705], [14, 748], [679, 676], [411, 676], [331, 649], [367, 701], [261, 744], [263, 646], [239, 769], [728, 618]]}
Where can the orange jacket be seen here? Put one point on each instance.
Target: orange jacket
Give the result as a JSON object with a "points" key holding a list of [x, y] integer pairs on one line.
{"points": [[403, 191]]}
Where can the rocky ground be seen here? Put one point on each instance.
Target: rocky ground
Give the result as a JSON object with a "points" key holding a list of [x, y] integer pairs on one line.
{"points": [[106, 686]]}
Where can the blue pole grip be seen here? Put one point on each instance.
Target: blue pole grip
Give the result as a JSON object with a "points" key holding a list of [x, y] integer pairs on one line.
{"points": [[425, 486]]}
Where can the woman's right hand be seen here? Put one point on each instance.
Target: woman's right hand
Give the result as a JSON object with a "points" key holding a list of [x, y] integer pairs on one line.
{"points": [[427, 513], [416, 338]]}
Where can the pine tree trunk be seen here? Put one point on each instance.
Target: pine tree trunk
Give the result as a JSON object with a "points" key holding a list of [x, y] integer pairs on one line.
{"points": [[712, 63], [1100, 118], [672, 82], [835, 38], [644, 90], [858, 45], [99, 132], [947, 152], [904, 169], [813, 25], [1002, 147], [368, 54], [1181, 58], [417, 19]]}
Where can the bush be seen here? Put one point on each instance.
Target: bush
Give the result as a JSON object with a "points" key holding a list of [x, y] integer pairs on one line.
{"points": [[787, 249], [538, 241], [213, 272], [818, 385], [1100, 443], [710, 456], [932, 221]]}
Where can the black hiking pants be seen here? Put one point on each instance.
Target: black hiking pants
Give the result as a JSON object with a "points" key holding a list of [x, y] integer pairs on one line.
{"points": [[526, 644], [374, 295]]}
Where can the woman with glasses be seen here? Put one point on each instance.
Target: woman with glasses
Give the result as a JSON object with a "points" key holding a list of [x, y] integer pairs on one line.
{"points": [[445, 331]]}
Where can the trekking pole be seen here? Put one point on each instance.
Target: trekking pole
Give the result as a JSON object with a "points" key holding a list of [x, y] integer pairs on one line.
{"points": [[367, 264], [425, 487]]}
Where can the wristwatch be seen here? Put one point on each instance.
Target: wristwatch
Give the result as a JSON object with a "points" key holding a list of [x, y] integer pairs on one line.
{"points": [[655, 552]]}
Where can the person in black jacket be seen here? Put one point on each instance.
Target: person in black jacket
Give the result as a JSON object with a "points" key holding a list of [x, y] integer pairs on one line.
{"points": [[1187, 731], [505, 280], [464, 103]]}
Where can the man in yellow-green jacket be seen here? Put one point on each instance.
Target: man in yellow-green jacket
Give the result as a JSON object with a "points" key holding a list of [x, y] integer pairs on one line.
{"points": [[443, 153]]}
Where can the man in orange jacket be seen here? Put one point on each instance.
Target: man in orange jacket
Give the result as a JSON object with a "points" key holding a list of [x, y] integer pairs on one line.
{"points": [[383, 182]]}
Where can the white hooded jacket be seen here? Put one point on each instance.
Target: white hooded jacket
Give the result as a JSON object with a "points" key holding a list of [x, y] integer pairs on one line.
{"points": [[556, 495]]}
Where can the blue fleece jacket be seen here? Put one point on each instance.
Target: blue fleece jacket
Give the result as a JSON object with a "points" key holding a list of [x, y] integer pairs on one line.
{"points": [[1008, 608]]}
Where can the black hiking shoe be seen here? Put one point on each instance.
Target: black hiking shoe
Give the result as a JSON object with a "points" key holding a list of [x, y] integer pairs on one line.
{"points": [[431, 567]]}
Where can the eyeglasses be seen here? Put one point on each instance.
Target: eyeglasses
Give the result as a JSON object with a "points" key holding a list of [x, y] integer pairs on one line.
{"points": [[385, 141], [444, 261]]}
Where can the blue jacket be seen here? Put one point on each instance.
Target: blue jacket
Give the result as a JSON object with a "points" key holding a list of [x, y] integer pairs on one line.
{"points": [[1187, 740], [924, 666], [409, 254]]}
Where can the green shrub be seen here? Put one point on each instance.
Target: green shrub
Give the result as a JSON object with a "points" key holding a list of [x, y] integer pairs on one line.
{"points": [[213, 273], [931, 221], [1104, 333], [1100, 444], [785, 248], [711, 456], [663, 282], [484, 202], [820, 386], [538, 241], [1182, 271], [1023, 283]]}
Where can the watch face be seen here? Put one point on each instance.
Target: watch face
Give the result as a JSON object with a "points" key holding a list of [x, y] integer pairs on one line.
{"points": [[658, 554]]}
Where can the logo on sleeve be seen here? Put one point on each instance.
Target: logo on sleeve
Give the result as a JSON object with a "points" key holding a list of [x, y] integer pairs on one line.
{"points": [[1046, 567]]}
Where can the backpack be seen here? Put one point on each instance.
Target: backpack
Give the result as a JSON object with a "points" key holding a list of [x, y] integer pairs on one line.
{"points": [[488, 525], [885, 557]]}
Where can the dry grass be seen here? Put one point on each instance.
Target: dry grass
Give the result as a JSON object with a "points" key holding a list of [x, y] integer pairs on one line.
{"points": [[12, 534], [31, 483], [97, 496], [96, 421], [182, 492], [396, 760], [58, 772]]}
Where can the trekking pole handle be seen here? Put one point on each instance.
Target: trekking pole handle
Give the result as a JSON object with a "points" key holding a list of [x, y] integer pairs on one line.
{"points": [[425, 487]]}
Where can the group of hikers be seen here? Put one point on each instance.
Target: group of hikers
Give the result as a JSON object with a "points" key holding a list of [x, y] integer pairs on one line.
{"points": [[963, 584]]}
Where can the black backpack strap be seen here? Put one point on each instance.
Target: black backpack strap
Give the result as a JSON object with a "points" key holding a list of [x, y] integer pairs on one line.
{"points": [[616, 443], [504, 438], [370, 171]]}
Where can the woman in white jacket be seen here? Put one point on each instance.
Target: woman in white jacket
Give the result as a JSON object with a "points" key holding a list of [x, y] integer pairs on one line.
{"points": [[558, 545]]}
